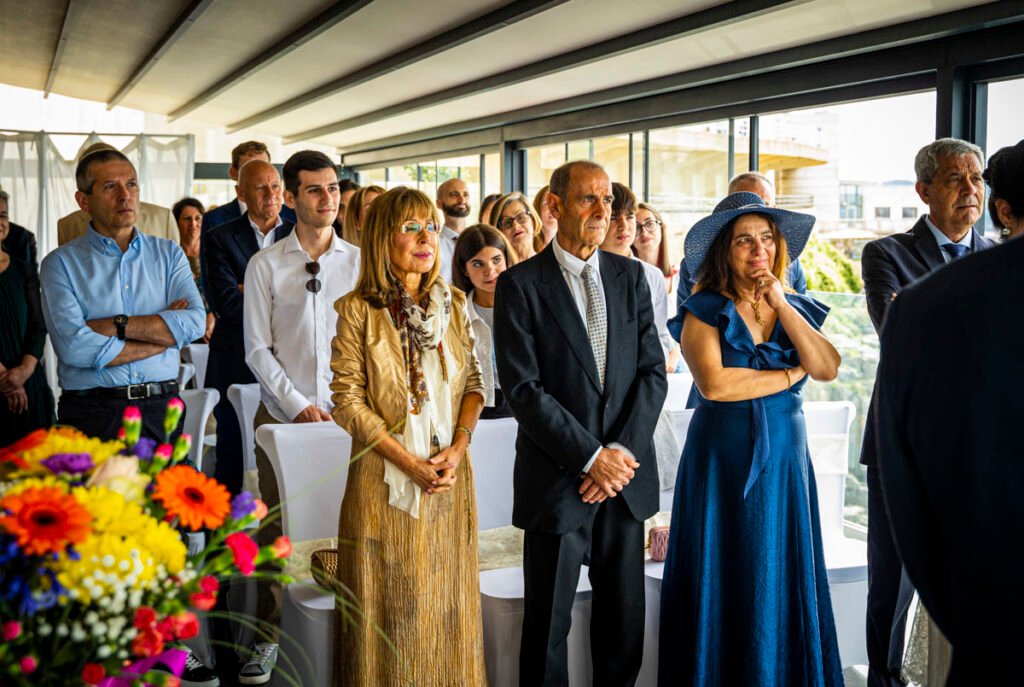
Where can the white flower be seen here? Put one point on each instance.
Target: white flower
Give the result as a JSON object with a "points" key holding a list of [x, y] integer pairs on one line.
{"points": [[77, 633], [44, 630], [99, 629]]}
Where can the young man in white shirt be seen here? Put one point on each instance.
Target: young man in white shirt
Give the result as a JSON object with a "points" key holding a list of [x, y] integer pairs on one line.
{"points": [[289, 323]]}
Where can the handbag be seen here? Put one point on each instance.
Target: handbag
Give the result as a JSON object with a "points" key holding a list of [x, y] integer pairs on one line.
{"points": [[657, 542]]}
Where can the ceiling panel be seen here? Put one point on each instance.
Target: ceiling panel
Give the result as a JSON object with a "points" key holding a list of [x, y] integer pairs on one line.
{"points": [[788, 27], [29, 33]]}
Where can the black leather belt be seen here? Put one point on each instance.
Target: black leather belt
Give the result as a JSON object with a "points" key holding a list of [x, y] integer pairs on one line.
{"points": [[133, 392]]}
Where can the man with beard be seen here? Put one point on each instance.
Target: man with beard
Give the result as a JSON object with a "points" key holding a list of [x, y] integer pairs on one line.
{"points": [[289, 323], [453, 201]]}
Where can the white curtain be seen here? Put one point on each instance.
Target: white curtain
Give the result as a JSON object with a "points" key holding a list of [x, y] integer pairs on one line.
{"points": [[41, 182]]}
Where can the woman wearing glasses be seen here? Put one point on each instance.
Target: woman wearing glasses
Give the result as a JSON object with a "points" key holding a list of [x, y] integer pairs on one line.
{"points": [[514, 217], [407, 383], [650, 244]]}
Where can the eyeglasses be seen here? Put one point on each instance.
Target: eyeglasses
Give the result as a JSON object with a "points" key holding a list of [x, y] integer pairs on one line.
{"points": [[416, 227], [650, 226], [522, 219], [313, 285]]}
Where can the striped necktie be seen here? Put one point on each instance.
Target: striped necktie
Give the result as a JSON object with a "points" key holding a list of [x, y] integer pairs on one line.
{"points": [[597, 321]]}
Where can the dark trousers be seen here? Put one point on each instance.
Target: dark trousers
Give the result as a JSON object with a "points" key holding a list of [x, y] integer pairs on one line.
{"points": [[889, 593], [101, 417], [551, 570], [223, 371]]}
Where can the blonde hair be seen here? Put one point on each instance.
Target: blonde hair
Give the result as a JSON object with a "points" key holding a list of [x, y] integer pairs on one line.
{"points": [[352, 224], [377, 281], [517, 197], [666, 263], [540, 198]]}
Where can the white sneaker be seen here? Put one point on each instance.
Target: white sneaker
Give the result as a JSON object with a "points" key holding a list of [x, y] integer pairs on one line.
{"points": [[260, 666]]}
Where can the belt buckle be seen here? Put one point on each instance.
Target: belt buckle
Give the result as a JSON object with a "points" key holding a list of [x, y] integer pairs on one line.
{"points": [[142, 389]]}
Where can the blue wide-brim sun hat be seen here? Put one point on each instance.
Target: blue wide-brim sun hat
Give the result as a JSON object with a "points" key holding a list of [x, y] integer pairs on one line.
{"points": [[795, 227]]}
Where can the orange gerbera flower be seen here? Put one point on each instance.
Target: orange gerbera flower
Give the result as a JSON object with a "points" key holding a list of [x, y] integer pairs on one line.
{"points": [[45, 520], [192, 497]]}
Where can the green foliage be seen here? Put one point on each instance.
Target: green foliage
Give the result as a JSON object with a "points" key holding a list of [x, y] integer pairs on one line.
{"points": [[829, 270]]}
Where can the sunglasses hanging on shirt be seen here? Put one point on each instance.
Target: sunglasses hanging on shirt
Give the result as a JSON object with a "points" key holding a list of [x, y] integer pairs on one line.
{"points": [[313, 285]]}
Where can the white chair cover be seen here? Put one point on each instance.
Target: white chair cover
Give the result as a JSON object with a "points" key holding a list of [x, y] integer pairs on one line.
{"points": [[245, 399], [199, 355], [310, 462], [679, 384], [494, 456], [186, 371], [199, 405]]}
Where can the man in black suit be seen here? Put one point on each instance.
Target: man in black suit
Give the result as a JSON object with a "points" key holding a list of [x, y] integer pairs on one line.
{"points": [[579, 360], [949, 406], [949, 182], [228, 250]]}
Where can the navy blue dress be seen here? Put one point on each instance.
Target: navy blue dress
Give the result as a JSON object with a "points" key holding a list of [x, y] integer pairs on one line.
{"points": [[745, 597]]}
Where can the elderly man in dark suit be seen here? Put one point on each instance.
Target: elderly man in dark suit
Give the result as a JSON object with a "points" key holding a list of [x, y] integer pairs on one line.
{"points": [[228, 250], [579, 360], [949, 181], [949, 406]]}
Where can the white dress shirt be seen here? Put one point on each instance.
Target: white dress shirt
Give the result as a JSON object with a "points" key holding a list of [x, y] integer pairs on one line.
{"points": [[264, 240], [572, 270], [288, 329], [659, 301], [484, 346], [447, 240]]}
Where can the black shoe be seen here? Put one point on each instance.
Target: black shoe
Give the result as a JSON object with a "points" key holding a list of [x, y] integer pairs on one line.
{"points": [[198, 675]]}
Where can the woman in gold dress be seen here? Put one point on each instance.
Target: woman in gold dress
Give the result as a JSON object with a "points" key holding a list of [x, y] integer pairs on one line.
{"points": [[407, 382]]}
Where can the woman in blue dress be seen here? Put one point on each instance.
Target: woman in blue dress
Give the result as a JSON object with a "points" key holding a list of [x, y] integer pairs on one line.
{"points": [[745, 597]]}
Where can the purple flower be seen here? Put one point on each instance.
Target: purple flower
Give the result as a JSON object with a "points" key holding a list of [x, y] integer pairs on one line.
{"points": [[144, 448], [242, 505], [73, 463]]}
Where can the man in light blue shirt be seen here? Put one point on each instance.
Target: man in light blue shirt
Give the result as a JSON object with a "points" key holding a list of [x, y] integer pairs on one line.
{"points": [[119, 305]]}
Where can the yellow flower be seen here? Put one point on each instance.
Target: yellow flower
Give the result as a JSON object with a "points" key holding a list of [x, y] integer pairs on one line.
{"points": [[35, 482], [67, 440]]}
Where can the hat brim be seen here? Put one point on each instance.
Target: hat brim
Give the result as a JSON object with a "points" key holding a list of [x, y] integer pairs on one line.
{"points": [[795, 228]]}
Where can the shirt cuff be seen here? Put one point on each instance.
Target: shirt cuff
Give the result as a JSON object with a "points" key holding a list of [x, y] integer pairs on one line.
{"points": [[293, 404], [590, 463], [110, 350]]}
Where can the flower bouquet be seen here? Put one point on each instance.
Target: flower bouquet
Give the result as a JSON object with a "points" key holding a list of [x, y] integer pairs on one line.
{"points": [[96, 585]]}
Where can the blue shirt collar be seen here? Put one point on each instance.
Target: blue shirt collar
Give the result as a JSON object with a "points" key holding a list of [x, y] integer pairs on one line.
{"points": [[108, 246], [942, 239]]}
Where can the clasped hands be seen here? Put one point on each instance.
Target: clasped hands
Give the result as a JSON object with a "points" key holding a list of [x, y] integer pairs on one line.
{"points": [[12, 386], [437, 474], [609, 474]]}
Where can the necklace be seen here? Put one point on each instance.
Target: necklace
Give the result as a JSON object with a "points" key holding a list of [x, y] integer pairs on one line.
{"points": [[756, 307]]}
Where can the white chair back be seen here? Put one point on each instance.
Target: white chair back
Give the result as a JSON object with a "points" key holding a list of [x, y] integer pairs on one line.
{"points": [[310, 462], [245, 399], [681, 423], [186, 371], [494, 456], [199, 405], [199, 355], [679, 384], [828, 438]]}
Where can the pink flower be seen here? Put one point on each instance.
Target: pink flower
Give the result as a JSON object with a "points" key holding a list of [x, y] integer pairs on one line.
{"points": [[209, 584], [144, 617], [261, 510], [282, 547], [28, 665], [175, 403], [244, 550], [132, 414], [203, 601], [12, 630]]}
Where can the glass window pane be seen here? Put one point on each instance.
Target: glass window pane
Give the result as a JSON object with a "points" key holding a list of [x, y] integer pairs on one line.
{"points": [[1004, 103], [540, 163], [612, 153], [639, 181], [492, 174], [372, 177], [404, 175], [689, 175], [741, 152], [580, 150]]}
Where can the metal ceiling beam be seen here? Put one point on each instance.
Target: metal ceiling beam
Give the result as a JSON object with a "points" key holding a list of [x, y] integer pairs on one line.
{"points": [[704, 20], [182, 24], [933, 28], [58, 52], [476, 28], [333, 15]]}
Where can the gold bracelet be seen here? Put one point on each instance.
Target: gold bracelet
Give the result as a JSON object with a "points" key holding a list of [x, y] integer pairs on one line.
{"points": [[469, 433], [789, 379]]}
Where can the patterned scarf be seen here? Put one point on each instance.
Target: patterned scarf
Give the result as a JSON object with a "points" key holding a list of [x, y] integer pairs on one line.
{"points": [[421, 328]]}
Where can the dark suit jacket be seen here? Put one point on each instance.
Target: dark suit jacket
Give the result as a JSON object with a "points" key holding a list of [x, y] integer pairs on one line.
{"points": [[226, 213], [889, 265], [549, 377], [228, 250], [21, 244], [950, 454]]}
